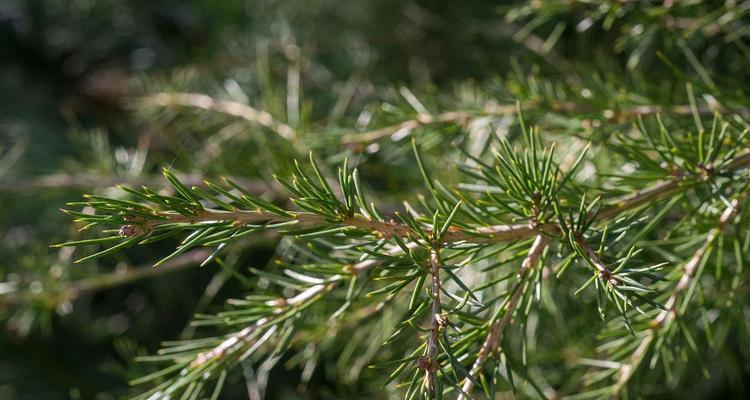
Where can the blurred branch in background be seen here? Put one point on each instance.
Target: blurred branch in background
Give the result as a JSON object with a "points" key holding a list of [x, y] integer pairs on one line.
{"points": [[103, 181]]}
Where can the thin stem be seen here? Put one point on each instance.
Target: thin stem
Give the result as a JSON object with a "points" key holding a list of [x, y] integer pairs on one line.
{"points": [[463, 117], [639, 198], [65, 181], [233, 108], [244, 337], [494, 336], [364, 266], [604, 272], [485, 234], [429, 363], [661, 189], [387, 229]]}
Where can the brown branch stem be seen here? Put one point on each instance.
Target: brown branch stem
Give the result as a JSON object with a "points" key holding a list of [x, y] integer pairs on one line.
{"points": [[601, 268], [244, 337], [87, 180], [494, 336], [233, 108], [429, 361], [639, 198], [482, 234], [667, 316], [462, 117], [383, 228]]}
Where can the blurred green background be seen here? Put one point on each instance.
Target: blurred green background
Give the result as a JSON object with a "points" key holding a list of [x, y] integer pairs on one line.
{"points": [[71, 74]]}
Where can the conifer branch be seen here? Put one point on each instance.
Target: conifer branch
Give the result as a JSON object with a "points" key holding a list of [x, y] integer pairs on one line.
{"points": [[88, 181], [385, 228], [429, 363], [493, 340], [454, 234], [626, 179], [362, 267], [240, 344], [664, 319], [525, 187], [461, 118], [244, 337], [663, 189], [603, 272], [233, 108]]}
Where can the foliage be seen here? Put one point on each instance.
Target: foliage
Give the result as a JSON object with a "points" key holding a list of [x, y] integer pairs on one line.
{"points": [[571, 222]]}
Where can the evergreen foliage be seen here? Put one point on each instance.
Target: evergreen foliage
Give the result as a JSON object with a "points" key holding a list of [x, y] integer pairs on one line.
{"points": [[571, 222]]}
